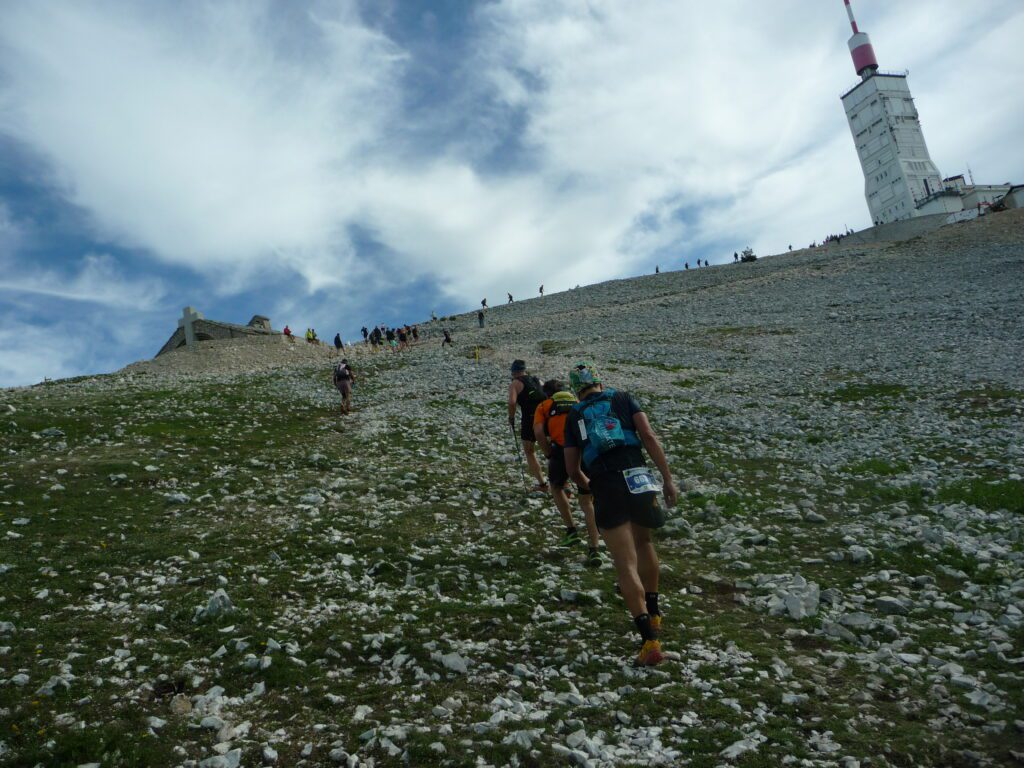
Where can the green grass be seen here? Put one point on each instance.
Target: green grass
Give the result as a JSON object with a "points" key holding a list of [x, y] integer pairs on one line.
{"points": [[878, 466], [451, 526], [867, 391], [989, 495], [550, 347]]}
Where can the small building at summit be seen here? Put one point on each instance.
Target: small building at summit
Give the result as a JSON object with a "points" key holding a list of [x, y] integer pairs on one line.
{"points": [[194, 328]]}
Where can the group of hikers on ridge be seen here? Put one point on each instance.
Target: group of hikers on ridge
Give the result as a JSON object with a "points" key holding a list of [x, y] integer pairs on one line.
{"points": [[395, 339], [596, 436]]}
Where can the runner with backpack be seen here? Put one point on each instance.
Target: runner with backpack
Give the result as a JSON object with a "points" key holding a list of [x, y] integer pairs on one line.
{"points": [[604, 435], [549, 429], [525, 393], [344, 377]]}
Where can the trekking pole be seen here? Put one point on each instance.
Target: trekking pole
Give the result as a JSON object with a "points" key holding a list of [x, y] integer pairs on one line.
{"points": [[519, 454]]}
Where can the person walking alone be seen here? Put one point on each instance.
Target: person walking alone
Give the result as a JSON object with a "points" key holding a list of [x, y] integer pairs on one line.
{"points": [[604, 434], [344, 378]]}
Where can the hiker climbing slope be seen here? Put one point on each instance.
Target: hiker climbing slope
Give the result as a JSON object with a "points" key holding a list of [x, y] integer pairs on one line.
{"points": [[604, 434], [549, 429], [525, 393], [344, 378]]}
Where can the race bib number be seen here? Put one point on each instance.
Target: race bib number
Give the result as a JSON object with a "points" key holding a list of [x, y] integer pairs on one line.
{"points": [[640, 480]]}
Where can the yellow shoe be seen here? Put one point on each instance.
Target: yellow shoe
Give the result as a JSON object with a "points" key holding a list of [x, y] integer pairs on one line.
{"points": [[650, 654]]}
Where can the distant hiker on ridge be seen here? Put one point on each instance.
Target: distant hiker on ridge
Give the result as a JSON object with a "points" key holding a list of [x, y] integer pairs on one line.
{"points": [[604, 434], [542, 290], [447, 338], [525, 392], [338, 343], [509, 298]]}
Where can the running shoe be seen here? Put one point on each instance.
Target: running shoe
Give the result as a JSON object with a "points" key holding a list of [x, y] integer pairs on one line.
{"points": [[570, 540], [593, 559], [650, 654]]}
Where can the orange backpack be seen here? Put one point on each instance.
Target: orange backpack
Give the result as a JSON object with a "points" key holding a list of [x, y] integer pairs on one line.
{"points": [[556, 414]]}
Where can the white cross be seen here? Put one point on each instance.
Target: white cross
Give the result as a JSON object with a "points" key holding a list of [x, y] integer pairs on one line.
{"points": [[188, 316]]}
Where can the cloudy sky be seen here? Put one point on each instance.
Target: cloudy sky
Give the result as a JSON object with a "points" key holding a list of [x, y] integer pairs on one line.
{"points": [[340, 163]]}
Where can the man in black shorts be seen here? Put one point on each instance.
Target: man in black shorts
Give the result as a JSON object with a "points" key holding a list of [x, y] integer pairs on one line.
{"points": [[525, 393], [549, 429], [604, 434]]}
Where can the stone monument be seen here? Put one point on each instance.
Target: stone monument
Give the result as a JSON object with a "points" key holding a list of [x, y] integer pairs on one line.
{"points": [[194, 329]]}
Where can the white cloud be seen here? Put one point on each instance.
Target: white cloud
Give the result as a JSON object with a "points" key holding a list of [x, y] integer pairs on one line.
{"points": [[80, 339], [98, 280], [241, 143], [200, 137], [732, 106]]}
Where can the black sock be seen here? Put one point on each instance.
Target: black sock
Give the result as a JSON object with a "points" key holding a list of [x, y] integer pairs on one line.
{"points": [[651, 598], [643, 626]]}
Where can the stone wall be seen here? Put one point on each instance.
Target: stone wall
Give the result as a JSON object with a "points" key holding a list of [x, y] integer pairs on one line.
{"points": [[211, 330], [897, 231]]}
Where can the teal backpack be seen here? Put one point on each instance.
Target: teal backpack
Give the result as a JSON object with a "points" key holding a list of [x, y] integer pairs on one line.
{"points": [[601, 430]]}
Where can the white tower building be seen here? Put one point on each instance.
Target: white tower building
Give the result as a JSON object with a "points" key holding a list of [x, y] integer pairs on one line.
{"points": [[898, 172]]}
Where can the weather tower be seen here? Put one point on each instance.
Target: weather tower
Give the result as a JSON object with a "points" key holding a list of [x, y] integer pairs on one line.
{"points": [[899, 174]]}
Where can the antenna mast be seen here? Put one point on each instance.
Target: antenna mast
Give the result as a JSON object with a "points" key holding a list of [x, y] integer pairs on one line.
{"points": [[864, 60]]}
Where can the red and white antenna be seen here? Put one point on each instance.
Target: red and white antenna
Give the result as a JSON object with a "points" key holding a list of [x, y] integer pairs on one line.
{"points": [[863, 54]]}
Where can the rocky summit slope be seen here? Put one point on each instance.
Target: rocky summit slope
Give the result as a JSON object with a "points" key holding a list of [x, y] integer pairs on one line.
{"points": [[204, 564]]}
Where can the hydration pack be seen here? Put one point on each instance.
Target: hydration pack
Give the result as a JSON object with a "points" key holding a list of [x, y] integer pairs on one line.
{"points": [[556, 415], [533, 393], [601, 430], [342, 373]]}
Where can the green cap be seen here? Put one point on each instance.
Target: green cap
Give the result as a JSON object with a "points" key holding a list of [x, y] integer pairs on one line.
{"points": [[583, 375]]}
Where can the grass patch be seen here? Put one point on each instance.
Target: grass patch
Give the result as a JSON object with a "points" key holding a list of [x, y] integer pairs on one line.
{"points": [[878, 466], [852, 393], [552, 347], [989, 495]]}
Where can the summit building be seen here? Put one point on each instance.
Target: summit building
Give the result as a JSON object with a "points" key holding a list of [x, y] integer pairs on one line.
{"points": [[900, 179]]}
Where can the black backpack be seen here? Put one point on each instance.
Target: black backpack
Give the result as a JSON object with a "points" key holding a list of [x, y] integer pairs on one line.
{"points": [[533, 392]]}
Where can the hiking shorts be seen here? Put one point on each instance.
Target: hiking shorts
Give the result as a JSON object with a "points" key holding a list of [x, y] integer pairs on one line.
{"points": [[526, 427], [345, 387], [557, 474], [614, 505]]}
